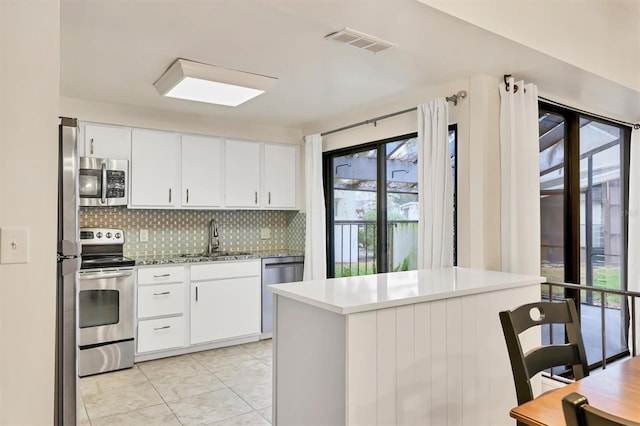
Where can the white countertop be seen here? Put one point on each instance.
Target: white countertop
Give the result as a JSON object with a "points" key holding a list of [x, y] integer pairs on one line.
{"points": [[370, 292]]}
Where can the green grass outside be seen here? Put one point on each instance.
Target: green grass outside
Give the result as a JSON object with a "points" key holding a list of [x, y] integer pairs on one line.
{"points": [[603, 277], [354, 269], [366, 268]]}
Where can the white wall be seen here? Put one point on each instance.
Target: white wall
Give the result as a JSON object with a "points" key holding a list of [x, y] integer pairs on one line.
{"points": [[478, 156], [29, 92], [483, 161], [136, 116], [600, 36]]}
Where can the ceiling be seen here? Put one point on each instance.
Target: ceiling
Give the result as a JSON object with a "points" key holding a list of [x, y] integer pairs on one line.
{"points": [[114, 50]]}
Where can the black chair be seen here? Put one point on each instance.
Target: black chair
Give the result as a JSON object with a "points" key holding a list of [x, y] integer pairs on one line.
{"points": [[527, 365], [578, 412]]}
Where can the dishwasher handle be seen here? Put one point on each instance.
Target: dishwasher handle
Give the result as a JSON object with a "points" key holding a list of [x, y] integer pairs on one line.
{"points": [[282, 265]]}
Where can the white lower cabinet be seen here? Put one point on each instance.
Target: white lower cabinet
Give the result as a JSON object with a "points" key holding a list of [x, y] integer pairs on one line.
{"points": [[161, 308], [225, 301], [160, 300], [184, 305], [161, 333]]}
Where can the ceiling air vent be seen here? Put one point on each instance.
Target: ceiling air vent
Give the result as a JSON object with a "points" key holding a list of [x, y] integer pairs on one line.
{"points": [[360, 40]]}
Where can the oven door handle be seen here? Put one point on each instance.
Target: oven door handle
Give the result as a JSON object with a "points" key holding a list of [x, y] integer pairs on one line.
{"points": [[104, 184], [101, 275]]}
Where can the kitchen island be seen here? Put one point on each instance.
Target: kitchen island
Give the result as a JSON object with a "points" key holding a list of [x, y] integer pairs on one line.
{"points": [[418, 347]]}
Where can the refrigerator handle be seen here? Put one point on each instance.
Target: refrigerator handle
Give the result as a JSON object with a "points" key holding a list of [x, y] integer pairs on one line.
{"points": [[65, 369], [104, 184], [68, 238]]}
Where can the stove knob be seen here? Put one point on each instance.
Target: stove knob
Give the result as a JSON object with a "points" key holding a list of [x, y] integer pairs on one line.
{"points": [[99, 235], [118, 235], [108, 234]]}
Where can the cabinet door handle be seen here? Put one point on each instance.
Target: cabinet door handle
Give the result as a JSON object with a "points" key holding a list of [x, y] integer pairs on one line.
{"points": [[187, 195], [269, 197], [256, 199], [161, 276], [196, 293], [162, 328], [91, 146], [169, 194], [162, 294]]}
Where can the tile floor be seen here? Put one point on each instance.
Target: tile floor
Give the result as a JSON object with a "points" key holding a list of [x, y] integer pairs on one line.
{"points": [[226, 386]]}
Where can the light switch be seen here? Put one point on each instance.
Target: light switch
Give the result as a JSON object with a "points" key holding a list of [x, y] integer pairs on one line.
{"points": [[144, 235], [265, 233], [14, 245]]}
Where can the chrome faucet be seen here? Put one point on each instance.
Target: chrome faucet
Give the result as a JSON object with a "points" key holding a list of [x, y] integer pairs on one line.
{"points": [[214, 242]]}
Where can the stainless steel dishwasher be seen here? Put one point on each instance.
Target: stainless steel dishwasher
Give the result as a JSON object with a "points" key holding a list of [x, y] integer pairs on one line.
{"points": [[277, 270]]}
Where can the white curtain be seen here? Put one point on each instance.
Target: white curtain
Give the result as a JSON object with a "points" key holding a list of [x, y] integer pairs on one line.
{"points": [[520, 178], [435, 186], [633, 249], [315, 261]]}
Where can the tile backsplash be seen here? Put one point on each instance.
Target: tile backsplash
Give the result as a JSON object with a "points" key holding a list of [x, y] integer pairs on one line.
{"points": [[174, 232]]}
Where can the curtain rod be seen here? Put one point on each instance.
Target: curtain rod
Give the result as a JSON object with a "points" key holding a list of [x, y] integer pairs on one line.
{"points": [[626, 123], [453, 98]]}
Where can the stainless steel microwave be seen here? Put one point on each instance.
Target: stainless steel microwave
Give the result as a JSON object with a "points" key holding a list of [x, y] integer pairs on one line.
{"points": [[103, 182]]}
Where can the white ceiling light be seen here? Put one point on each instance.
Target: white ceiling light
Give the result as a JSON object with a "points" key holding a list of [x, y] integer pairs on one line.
{"points": [[360, 40], [195, 81]]}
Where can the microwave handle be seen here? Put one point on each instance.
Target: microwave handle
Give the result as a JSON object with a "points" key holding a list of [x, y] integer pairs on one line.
{"points": [[104, 184]]}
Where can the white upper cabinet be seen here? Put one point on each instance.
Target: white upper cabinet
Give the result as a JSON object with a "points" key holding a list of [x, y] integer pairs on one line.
{"points": [[280, 172], [242, 174], [260, 175], [201, 171], [155, 169], [104, 141], [174, 170]]}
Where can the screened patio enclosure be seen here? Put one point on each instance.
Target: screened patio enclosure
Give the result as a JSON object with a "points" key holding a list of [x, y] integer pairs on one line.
{"points": [[594, 161]]}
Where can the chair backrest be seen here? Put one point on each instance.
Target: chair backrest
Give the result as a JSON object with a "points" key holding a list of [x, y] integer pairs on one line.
{"points": [[578, 412], [525, 366]]}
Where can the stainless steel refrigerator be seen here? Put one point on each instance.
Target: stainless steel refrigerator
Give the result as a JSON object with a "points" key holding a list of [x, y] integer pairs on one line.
{"points": [[66, 375]]}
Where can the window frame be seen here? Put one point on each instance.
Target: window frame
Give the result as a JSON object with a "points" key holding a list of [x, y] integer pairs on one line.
{"points": [[381, 194], [572, 194]]}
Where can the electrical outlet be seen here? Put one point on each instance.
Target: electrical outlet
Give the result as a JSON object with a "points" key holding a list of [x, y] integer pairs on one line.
{"points": [[144, 235], [265, 233]]}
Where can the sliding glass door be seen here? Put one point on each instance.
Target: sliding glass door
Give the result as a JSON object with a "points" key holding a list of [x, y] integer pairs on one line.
{"points": [[583, 163]]}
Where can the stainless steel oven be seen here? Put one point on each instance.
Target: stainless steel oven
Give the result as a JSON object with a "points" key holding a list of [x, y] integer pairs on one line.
{"points": [[106, 297], [103, 182]]}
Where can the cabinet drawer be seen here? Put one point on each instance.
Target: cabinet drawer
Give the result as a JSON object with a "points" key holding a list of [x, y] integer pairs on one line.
{"points": [[163, 274], [216, 271], [163, 299], [159, 334]]}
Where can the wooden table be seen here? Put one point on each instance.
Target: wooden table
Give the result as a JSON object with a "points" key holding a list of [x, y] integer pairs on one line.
{"points": [[615, 390]]}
